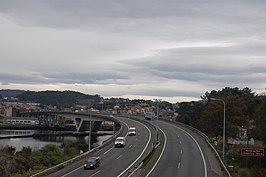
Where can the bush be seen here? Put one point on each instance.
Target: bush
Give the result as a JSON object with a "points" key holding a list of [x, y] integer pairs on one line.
{"points": [[243, 172]]}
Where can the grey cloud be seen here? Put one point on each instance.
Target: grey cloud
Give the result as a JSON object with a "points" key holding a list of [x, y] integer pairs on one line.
{"points": [[79, 12], [62, 77], [231, 65], [134, 42]]}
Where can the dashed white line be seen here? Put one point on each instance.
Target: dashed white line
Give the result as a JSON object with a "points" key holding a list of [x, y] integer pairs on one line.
{"points": [[181, 151], [199, 148], [72, 171], [119, 157], [95, 173], [179, 165], [141, 152], [108, 150]]}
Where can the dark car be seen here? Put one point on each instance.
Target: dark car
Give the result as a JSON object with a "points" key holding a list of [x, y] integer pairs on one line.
{"points": [[92, 162]]}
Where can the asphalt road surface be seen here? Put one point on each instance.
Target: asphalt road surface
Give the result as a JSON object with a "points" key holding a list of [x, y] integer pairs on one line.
{"points": [[114, 161], [186, 154]]}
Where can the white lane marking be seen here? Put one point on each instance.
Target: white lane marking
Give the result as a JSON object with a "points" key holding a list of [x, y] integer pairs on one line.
{"points": [[95, 173], [179, 165], [127, 127], [201, 153], [108, 150], [141, 152], [181, 151], [103, 153], [119, 157], [160, 154], [202, 156], [180, 142], [72, 171], [130, 146]]}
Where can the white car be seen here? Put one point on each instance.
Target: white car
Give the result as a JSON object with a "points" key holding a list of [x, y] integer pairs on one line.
{"points": [[132, 131], [120, 142]]}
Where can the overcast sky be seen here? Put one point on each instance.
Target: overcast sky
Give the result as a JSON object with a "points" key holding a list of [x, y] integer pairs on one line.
{"points": [[175, 50]]}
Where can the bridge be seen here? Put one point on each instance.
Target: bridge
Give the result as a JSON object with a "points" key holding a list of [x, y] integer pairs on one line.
{"points": [[80, 121], [182, 152]]}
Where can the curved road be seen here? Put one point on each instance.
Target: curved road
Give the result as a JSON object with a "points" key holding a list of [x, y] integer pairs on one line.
{"points": [[114, 161], [186, 154]]}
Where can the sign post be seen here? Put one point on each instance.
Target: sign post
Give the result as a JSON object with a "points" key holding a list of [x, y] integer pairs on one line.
{"points": [[252, 152]]}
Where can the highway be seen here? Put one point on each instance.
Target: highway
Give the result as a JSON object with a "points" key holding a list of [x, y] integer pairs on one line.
{"points": [[185, 154], [114, 161]]}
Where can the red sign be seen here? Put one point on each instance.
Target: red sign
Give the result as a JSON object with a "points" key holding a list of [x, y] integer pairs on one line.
{"points": [[252, 152]]}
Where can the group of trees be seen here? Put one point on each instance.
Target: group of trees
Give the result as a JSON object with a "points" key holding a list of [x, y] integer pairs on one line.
{"points": [[28, 162], [243, 110], [58, 98]]}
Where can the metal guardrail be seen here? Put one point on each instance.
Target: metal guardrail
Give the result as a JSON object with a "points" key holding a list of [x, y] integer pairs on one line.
{"points": [[206, 139], [70, 161]]}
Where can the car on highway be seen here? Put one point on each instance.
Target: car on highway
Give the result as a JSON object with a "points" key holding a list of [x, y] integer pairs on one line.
{"points": [[92, 163], [120, 141], [132, 131]]}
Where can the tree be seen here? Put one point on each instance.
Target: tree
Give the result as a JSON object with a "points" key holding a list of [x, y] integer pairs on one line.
{"points": [[190, 112], [211, 120], [51, 155], [260, 119]]}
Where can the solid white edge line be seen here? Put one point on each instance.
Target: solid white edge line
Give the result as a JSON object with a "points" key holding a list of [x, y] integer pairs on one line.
{"points": [[141, 152], [103, 153], [159, 156], [202, 156]]}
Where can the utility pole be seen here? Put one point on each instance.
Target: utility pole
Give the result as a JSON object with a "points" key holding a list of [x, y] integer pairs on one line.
{"points": [[157, 135]]}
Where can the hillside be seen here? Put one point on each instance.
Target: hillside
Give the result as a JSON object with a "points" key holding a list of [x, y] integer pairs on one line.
{"points": [[58, 98], [10, 93]]}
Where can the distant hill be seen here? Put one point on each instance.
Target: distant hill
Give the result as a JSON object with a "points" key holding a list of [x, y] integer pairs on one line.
{"points": [[59, 98], [10, 93]]}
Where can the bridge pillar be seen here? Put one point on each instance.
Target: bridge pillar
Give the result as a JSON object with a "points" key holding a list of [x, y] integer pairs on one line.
{"points": [[78, 122]]}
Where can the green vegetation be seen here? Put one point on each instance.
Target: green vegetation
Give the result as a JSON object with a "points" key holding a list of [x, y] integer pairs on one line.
{"points": [[245, 110], [28, 162], [58, 98], [10, 93]]}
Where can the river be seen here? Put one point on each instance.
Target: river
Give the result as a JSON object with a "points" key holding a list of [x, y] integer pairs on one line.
{"points": [[38, 143]]}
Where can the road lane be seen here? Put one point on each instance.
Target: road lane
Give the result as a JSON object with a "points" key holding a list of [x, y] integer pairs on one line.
{"points": [[113, 160], [182, 156]]}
